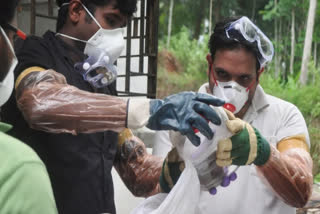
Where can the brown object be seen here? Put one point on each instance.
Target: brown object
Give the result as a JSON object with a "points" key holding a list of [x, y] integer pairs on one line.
{"points": [[289, 173], [139, 170], [49, 104]]}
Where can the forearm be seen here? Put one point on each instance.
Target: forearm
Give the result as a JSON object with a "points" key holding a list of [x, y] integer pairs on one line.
{"points": [[139, 170], [287, 168], [289, 173], [141, 176], [48, 103]]}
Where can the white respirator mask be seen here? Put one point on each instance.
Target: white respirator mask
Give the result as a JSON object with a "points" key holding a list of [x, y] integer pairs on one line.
{"points": [[232, 93], [103, 49], [6, 86]]}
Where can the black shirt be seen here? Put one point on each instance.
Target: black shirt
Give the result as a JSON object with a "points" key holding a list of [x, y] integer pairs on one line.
{"points": [[79, 166]]}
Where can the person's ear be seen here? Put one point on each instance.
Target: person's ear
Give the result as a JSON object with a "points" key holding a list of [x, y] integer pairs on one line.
{"points": [[260, 72], [209, 60], [75, 11]]}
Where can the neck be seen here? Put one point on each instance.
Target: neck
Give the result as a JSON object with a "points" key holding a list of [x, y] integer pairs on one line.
{"points": [[73, 43], [243, 111]]}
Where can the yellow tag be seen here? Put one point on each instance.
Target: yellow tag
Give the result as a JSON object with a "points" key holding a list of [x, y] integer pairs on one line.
{"points": [[124, 135]]}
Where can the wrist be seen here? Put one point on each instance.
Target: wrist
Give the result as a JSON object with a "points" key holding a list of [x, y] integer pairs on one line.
{"points": [[153, 122], [155, 104], [172, 168], [263, 149], [165, 185], [138, 113]]}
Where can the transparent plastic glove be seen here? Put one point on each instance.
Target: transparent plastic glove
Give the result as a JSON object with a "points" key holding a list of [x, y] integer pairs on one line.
{"points": [[289, 174], [48, 103], [246, 146], [139, 170], [184, 111]]}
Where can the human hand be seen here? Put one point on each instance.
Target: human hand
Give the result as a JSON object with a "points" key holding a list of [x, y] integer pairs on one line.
{"points": [[182, 112], [246, 146]]}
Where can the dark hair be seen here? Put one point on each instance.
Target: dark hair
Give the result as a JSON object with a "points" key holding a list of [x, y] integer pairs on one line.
{"points": [[220, 41], [7, 11], [126, 7]]}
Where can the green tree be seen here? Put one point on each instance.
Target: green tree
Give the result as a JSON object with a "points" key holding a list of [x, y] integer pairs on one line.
{"points": [[308, 42]]}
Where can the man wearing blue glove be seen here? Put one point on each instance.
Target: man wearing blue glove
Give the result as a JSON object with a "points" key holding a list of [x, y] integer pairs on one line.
{"points": [[69, 113], [270, 140]]}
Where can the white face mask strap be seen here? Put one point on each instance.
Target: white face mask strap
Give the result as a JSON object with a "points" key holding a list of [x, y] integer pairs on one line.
{"points": [[94, 19], [64, 4], [70, 37]]}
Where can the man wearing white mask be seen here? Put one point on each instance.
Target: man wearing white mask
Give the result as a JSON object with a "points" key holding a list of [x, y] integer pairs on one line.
{"points": [[67, 115], [270, 139], [24, 182]]}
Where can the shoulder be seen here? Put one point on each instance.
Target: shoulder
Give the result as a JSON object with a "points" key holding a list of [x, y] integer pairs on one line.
{"points": [[14, 153], [273, 109], [285, 118], [31, 42], [34, 51], [280, 106], [24, 181], [283, 111], [278, 102]]}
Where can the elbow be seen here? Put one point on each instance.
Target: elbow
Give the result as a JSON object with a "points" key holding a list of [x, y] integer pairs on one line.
{"points": [[301, 194], [303, 200], [27, 107], [145, 190], [40, 117], [138, 193], [299, 203]]}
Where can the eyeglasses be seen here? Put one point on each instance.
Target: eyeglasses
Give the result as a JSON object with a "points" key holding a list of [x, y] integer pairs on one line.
{"points": [[17, 32], [250, 32]]}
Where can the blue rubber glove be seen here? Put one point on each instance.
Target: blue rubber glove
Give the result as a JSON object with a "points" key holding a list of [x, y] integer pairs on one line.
{"points": [[184, 111]]}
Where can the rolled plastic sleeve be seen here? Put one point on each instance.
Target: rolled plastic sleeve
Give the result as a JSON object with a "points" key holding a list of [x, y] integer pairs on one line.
{"points": [[139, 170], [289, 173], [49, 104]]}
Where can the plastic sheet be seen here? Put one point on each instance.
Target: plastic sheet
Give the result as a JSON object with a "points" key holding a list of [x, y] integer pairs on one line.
{"points": [[184, 196], [205, 159], [139, 170], [289, 173], [49, 104]]}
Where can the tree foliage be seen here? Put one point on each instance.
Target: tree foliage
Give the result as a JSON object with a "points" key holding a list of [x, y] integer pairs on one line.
{"points": [[270, 17]]}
